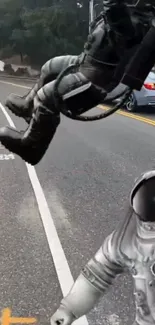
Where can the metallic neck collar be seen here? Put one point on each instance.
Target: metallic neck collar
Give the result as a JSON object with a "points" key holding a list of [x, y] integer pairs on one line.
{"points": [[145, 230]]}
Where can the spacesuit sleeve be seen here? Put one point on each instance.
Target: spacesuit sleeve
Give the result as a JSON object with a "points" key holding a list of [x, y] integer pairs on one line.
{"points": [[94, 280], [118, 18]]}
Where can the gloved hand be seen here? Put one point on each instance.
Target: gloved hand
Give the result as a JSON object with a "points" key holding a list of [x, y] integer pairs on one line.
{"points": [[62, 316]]}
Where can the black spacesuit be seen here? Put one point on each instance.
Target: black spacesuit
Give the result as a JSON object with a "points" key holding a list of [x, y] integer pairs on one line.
{"points": [[114, 36]]}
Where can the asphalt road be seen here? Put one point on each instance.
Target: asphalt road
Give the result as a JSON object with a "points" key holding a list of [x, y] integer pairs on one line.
{"points": [[86, 177]]}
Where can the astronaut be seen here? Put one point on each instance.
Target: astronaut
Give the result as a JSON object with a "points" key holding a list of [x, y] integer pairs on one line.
{"points": [[113, 37], [131, 248]]}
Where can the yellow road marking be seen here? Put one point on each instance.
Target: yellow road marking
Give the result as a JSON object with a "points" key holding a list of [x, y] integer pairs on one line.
{"points": [[130, 115], [6, 318], [126, 114]]}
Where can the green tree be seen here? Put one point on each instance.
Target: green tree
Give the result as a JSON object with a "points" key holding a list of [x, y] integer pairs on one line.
{"points": [[42, 29]]}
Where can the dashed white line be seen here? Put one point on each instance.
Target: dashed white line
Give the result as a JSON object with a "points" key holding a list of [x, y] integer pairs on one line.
{"points": [[61, 265]]}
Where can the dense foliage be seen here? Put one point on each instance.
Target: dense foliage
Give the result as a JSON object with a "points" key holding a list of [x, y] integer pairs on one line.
{"points": [[41, 29]]}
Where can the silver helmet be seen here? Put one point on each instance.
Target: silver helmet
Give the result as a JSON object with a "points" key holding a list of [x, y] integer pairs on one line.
{"points": [[142, 197]]}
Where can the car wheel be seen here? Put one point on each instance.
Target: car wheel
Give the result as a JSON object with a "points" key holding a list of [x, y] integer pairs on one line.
{"points": [[131, 104]]}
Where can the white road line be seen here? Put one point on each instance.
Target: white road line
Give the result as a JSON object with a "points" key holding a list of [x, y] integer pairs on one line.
{"points": [[14, 84], [61, 265]]}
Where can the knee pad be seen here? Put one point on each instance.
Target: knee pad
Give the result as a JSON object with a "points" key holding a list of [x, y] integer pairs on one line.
{"points": [[83, 96]]}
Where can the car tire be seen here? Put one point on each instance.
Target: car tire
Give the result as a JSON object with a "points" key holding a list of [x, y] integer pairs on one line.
{"points": [[131, 104]]}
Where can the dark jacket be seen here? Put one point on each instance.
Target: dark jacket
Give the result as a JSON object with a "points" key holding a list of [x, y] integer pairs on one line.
{"points": [[113, 38]]}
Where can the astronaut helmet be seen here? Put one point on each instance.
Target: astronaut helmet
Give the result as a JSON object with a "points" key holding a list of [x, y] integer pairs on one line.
{"points": [[142, 197]]}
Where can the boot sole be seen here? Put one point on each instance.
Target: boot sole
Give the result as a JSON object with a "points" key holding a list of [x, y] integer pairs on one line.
{"points": [[16, 112]]}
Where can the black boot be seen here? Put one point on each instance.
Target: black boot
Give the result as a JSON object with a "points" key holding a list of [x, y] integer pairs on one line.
{"points": [[22, 106], [32, 144], [19, 106]]}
